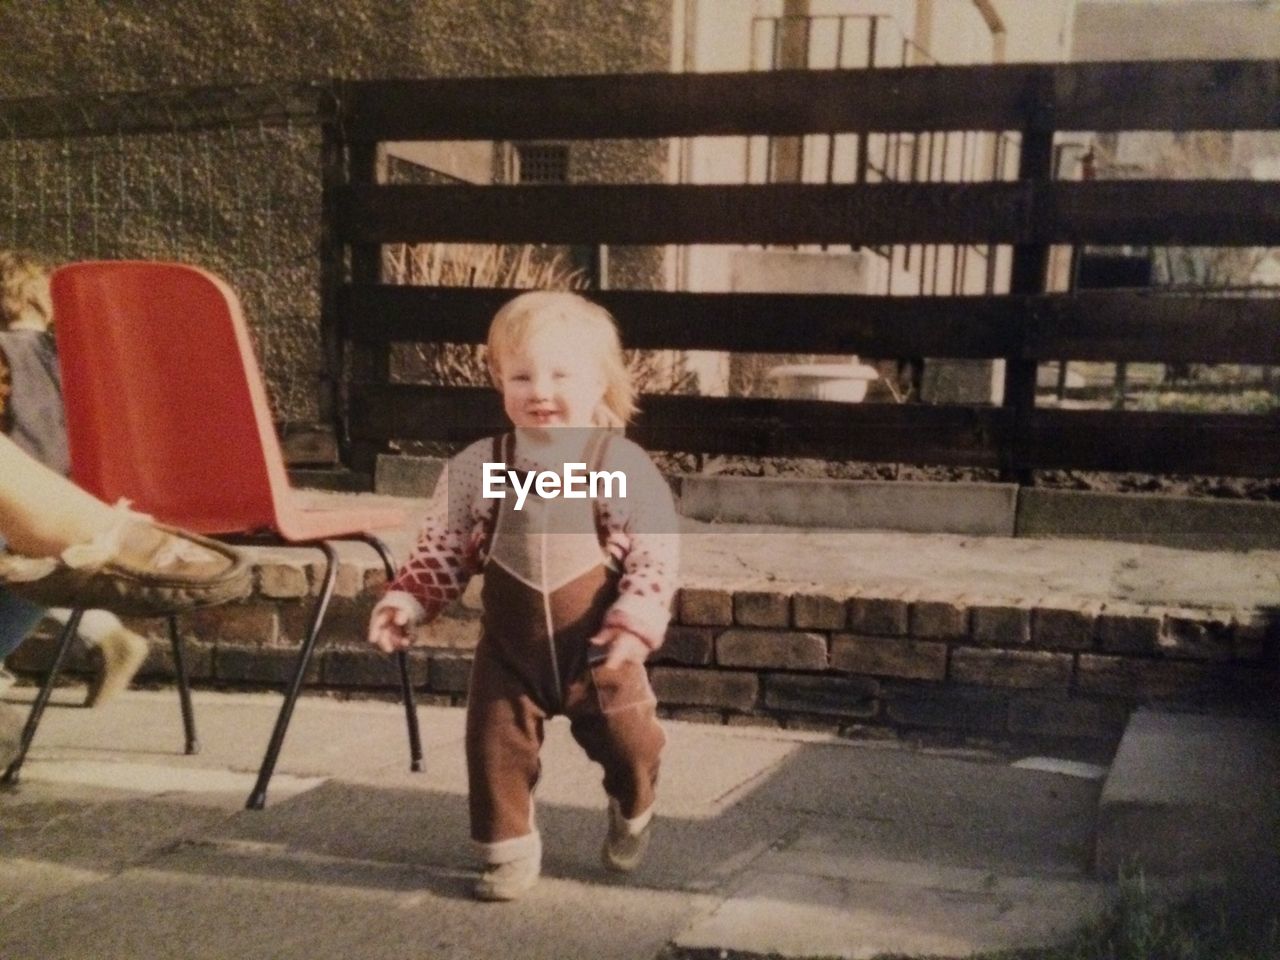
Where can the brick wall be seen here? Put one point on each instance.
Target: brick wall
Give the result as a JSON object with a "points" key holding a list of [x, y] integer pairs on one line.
{"points": [[839, 661]]}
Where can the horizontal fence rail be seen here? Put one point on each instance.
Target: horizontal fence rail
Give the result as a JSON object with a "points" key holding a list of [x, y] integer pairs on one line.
{"points": [[1097, 326], [1208, 443], [1230, 444], [1024, 104], [1174, 95], [1171, 212], [752, 426]]}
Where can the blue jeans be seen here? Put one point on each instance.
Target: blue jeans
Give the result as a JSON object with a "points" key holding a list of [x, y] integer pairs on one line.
{"points": [[18, 617]]}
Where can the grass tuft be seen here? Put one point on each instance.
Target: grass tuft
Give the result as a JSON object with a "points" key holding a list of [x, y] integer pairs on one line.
{"points": [[1231, 920]]}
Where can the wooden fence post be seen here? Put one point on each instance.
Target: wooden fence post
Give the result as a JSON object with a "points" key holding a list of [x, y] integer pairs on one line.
{"points": [[1028, 277], [333, 391], [370, 363]]}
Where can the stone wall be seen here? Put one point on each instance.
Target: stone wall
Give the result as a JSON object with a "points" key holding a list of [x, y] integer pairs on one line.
{"points": [[844, 661]]}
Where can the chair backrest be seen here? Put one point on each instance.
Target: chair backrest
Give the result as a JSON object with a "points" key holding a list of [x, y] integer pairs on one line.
{"points": [[165, 404]]}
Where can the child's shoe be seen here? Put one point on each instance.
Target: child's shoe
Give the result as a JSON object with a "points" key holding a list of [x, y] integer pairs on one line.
{"points": [[508, 881], [123, 653], [627, 840]]}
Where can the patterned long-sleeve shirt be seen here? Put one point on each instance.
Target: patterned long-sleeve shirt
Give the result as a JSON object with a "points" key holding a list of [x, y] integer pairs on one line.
{"points": [[639, 532]]}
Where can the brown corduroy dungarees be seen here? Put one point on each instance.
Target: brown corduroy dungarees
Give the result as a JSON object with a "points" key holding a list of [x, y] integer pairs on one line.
{"points": [[547, 586]]}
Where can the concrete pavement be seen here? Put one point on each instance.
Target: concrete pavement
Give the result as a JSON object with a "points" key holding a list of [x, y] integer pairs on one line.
{"points": [[116, 846]]}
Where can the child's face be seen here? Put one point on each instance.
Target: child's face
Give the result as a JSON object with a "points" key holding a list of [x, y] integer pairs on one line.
{"points": [[550, 382]]}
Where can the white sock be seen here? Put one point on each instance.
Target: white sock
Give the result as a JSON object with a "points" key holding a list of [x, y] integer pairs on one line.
{"points": [[636, 824]]}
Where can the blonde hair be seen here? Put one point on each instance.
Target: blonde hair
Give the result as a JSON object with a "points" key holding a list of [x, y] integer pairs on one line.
{"points": [[529, 314], [25, 301]]}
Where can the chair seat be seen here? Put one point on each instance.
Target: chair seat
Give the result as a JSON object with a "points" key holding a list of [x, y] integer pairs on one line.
{"points": [[298, 520]]}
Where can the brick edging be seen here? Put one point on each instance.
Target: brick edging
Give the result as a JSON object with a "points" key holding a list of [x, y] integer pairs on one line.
{"points": [[1045, 668]]}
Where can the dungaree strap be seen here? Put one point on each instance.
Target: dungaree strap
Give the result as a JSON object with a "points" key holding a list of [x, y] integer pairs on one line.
{"points": [[504, 451], [595, 460]]}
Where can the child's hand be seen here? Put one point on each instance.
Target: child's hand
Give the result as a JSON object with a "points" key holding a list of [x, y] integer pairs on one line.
{"points": [[622, 646], [389, 626]]}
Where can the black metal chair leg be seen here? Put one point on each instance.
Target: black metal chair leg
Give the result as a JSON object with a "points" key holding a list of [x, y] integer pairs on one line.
{"points": [[258, 798], [42, 698], [184, 689], [411, 713], [406, 686]]}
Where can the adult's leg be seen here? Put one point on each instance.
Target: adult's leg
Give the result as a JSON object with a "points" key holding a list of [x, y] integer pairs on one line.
{"points": [[18, 617], [41, 512]]}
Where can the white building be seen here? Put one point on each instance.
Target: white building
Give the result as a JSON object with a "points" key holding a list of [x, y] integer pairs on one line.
{"points": [[818, 34]]}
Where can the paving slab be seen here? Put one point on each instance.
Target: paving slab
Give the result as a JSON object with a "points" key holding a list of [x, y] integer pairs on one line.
{"points": [[1189, 792], [234, 729], [832, 905], [1192, 522], [985, 509], [930, 808]]}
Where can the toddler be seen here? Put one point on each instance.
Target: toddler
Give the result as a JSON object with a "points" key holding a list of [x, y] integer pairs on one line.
{"points": [[577, 590]]}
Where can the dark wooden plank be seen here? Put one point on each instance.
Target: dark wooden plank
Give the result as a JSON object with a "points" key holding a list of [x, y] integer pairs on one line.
{"points": [[792, 428], [746, 322], [330, 257], [1172, 212], [654, 213], [381, 412], [383, 313], [1212, 444], [1156, 328], [692, 104], [877, 432], [1175, 95], [368, 362], [1086, 326], [1228, 213]]}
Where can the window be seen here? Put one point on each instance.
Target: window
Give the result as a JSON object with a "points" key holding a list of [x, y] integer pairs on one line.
{"points": [[541, 163]]}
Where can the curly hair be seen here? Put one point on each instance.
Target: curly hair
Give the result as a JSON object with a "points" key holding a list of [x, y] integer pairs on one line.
{"points": [[24, 292], [572, 315]]}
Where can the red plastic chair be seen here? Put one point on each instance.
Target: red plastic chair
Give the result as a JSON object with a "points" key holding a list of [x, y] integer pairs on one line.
{"points": [[166, 407]]}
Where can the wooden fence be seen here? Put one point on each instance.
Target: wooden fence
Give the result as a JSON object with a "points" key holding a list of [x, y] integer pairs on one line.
{"points": [[1031, 213]]}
